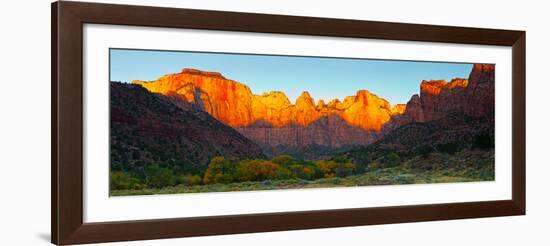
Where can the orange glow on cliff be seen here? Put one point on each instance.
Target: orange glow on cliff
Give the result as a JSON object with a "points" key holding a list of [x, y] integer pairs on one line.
{"points": [[234, 104]]}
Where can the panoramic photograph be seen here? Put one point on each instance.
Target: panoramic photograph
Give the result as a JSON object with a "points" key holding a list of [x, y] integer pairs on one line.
{"points": [[195, 122]]}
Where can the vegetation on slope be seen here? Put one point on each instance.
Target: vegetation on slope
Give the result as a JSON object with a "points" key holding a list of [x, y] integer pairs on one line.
{"points": [[148, 132]]}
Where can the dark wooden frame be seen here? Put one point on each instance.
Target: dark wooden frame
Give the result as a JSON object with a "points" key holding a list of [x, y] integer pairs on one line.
{"points": [[66, 219]]}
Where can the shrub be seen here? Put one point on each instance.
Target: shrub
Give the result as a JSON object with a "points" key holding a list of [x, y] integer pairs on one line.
{"points": [[450, 148], [345, 169], [391, 160], [124, 181], [222, 178], [191, 180], [375, 165], [158, 177], [361, 167]]}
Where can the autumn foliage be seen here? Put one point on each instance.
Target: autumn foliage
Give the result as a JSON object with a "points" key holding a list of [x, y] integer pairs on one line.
{"points": [[221, 170]]}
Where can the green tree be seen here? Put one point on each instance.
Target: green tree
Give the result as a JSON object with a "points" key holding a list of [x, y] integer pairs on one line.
{"points": [[283, 160], [328, 168], [158, 177], [257, 170], [307, 172], [219, 170]]}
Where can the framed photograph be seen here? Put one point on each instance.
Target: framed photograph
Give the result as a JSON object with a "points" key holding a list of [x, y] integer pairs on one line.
{"points": [[176, 122]]}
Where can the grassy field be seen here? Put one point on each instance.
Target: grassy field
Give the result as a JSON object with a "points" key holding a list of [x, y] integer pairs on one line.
{"points": [[437, 168]]}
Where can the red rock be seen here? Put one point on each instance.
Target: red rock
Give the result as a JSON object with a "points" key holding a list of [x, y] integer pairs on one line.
{"points": [[234, 104], [230, 101], [414, 109], [481, 92], [398, 109], [474, 96], [272, 120]]}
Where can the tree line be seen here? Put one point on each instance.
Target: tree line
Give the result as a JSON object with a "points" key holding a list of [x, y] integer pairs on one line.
{"points": [[223, 171]]}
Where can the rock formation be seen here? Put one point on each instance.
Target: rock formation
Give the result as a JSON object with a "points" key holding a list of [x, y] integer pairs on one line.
{"points": [[481, 90], [280, 126], [234, 104], [438, 98]]}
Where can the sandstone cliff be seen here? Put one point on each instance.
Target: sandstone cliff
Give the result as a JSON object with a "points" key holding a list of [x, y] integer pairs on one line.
{"points": [[226, 100], [235, 105], [473, 97]]}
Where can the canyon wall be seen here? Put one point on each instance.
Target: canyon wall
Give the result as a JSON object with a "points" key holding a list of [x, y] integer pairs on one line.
{"points": [[474, 97], [280, 126], [235, 105], [272, 120]]}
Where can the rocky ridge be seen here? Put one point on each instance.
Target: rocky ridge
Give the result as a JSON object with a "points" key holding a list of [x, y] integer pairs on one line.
{"points": [[281, 127], [473, 97], [235, 105]]}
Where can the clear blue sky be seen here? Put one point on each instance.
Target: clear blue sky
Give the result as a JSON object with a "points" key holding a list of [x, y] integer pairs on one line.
{"points": [[324, 78]]}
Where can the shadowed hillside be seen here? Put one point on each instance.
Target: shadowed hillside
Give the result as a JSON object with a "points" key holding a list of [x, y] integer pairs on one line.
{"points": [[149, 129], [447, 135]]}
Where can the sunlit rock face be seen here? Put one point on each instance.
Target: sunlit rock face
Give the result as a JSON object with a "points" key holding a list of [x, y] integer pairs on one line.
{"points": [[273, 107], [305, 111], [234, 104], [367, 111], [398, 109], [474, 96], [227, 100]]}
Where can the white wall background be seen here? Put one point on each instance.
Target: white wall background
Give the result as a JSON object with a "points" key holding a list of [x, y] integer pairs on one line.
{"points": [[25, 122]]}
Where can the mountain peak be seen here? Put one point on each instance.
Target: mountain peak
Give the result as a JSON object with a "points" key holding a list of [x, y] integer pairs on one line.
{"points": [[274, 99], [305, 98], [363, 96], [321, 103], [191, 71], [305, 94], [333, 103]]}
